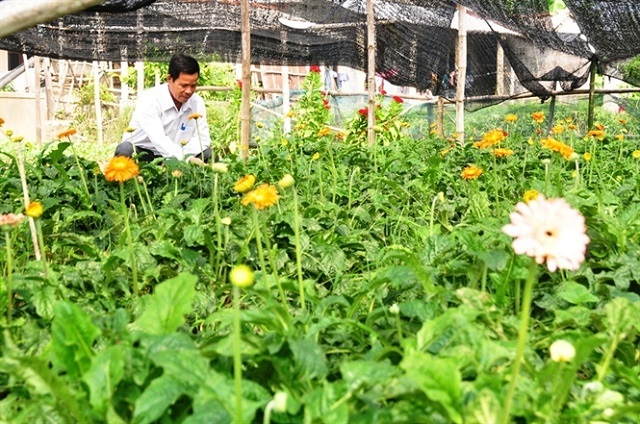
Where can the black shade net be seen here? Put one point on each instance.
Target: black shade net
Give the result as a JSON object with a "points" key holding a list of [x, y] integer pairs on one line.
{"points": [[547, 44]]}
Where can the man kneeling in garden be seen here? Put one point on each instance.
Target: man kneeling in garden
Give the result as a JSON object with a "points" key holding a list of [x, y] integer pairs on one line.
{"points": [[170, 120]]}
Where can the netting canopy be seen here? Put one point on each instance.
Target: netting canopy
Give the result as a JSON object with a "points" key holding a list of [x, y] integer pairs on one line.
{"points": [[548, 44]]}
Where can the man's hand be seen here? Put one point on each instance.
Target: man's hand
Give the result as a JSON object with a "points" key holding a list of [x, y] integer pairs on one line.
{"points": [[196, 161]]}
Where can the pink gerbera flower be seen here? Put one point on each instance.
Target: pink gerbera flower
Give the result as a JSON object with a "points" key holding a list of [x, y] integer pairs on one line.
{"points": [[550, 231]]}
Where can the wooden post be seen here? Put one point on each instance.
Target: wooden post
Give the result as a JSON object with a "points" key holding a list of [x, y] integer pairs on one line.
{"points": [[96, 99], [245, 107], [371, 72], [499, 70], [461, 72], [286, 103], [124, 87], [592, 90], [440, 118], [27, 77], [48, 88], [36, 93]]}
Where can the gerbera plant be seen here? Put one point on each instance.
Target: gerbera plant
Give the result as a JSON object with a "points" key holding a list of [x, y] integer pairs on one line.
{"points": [[121, 169], [552, 233]]}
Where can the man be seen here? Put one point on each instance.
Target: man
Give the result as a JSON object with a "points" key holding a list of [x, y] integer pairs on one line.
{"points": [[170, 120]]}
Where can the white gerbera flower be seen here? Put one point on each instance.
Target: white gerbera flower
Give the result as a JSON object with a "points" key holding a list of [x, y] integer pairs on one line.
{"points": [[550, 231]]}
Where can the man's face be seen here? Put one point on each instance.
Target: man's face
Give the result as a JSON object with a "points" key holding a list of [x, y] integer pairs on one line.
{"points": [[183, 87]]}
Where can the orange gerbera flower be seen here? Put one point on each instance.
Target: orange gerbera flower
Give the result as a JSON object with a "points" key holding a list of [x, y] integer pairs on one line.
{"points": [[245, 183], [557, 146], [67, 133], [121, 169], [262, 197], [471, 172], [538, 117]]}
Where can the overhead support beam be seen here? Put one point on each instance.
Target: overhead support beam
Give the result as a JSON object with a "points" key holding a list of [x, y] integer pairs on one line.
{"points": [[17, 15]]}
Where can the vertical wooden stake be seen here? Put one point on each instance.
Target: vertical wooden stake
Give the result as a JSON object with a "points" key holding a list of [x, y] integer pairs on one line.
{"points": [[371, 72], [245, 108], [96, 99], [592, 91], [461, 72], [37, 95]]}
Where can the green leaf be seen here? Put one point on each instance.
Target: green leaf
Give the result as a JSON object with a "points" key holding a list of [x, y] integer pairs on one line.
{"points": [[309, 358], [359, 374], [576, 293], [439, 379], [73, 336], [171, 301], [107, 369], [157, 397]]}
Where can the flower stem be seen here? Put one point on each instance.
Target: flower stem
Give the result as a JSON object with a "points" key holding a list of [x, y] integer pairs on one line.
{"points": [[142, 202], [43, 252], [7, 235], [296, 232], [237, 359], [80, 171], [256, 226], [132, 253], [522, 339], [274, 268], [608, 357]]}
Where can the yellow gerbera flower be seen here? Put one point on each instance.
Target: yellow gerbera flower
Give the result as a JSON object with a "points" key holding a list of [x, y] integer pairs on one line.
{"points": [[530, 195], [598, 134], [587, 157], [490, 138], [34, 210], [324, 131], [512, 117], [245, 183], [194, 116], [121, 169], [266, 195], [471, 172], [502, 153]]}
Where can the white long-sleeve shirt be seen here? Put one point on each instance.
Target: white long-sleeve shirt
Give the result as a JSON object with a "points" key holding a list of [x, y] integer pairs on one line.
{"points": [[161, 127]]}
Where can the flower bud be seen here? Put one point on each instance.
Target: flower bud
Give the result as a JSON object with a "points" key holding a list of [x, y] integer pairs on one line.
{"points": [[562, 351], [241, 276], [286, 181]]}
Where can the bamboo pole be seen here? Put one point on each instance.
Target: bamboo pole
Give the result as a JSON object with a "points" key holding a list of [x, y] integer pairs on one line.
{"points": [[440, 118], [37, 94], [499, 69], [17, 15], [371, 73], [245, 108], [461, 72], [592, 91], [96, 99], [286, 99]]}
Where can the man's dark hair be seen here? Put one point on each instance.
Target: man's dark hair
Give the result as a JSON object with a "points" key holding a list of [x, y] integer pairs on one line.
{"points": [[183, 63]]}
